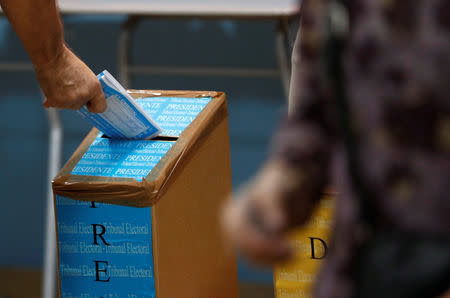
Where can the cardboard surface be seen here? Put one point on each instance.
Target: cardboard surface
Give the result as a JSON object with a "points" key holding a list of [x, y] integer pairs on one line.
{"points": [[201, 187], [176, 193]]}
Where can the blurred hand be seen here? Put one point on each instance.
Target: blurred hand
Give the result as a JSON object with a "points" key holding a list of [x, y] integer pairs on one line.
{"points": [[259, 217], [446, 295], [68, 83]]}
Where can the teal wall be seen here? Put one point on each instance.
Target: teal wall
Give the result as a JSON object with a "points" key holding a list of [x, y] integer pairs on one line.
{"points": [[255, 107]]}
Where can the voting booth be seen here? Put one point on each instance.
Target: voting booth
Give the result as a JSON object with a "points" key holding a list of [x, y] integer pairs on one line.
{"points": [[296, 279], [139, 218]]}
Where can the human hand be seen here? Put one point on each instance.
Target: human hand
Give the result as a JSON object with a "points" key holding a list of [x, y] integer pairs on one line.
{"points": [[446, 295], [262, 212], [68, 83]]}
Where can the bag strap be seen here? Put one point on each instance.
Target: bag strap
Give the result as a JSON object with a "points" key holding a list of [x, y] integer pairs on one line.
{"points": [[336, 40]]}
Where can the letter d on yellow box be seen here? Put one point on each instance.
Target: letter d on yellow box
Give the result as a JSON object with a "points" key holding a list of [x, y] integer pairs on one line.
{"points": [[296, 278]]}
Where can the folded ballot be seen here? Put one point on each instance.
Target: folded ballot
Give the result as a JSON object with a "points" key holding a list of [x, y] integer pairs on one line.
{"points": [[123, 118]]}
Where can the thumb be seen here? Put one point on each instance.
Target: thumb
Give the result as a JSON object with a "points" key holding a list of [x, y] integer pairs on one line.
{"points": [[98, 103]]}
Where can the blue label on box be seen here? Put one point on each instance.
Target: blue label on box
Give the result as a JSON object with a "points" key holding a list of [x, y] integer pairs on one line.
{"points": [[104, 250], [121, 158], [173, 114]]}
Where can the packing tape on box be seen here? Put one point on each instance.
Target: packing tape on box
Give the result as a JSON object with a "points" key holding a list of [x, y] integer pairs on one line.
{"points": [[145, 193]]}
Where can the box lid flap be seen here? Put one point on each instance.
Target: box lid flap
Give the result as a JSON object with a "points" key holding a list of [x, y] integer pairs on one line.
{"points": [[77, 183]]}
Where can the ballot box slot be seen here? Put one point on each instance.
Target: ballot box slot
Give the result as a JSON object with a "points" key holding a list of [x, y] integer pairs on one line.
{"points": [[158, 138], [165, 138]]}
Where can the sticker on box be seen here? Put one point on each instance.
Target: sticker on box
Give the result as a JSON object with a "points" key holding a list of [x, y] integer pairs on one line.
{"points": [[173, 114], [104, 250], [121, 158]]}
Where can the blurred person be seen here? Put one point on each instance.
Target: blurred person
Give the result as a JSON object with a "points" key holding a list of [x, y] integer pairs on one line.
{"points": [[64, 79], [375, 124]]}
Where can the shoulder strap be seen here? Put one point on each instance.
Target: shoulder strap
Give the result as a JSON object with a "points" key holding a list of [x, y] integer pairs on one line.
{"points": [[336, 40]]}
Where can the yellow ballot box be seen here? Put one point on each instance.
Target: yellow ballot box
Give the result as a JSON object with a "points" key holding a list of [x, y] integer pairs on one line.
{"points": [[296, 278]]}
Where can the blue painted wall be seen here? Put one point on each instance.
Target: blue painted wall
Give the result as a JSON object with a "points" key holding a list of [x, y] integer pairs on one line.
{"points": [[255, 107]]}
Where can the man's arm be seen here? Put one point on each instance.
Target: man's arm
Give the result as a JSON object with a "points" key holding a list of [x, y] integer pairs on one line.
{"points": [[65, 80]]}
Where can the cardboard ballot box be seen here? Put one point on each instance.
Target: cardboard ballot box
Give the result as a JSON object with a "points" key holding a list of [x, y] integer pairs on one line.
{"points": [[296, 278], [140, 218]]}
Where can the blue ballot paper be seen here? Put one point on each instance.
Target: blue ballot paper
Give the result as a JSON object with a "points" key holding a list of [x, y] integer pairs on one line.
{"points": [[123, 118]]}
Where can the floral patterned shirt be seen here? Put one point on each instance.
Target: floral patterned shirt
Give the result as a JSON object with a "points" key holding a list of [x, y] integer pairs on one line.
{"points": [[397, 65]]}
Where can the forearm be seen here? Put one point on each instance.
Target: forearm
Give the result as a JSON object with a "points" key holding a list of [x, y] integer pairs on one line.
{"points": [[38, 25], [64, 79]]}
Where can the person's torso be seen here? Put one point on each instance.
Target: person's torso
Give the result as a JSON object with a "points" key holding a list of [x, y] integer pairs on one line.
{"points": [[398, 70]]}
